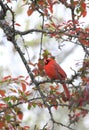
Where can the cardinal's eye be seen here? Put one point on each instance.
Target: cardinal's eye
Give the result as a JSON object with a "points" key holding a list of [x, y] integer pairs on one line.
{"points": [[47, 61]]}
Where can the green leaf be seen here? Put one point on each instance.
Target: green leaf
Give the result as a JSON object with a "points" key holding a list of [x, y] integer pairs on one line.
{"points": [[6, 99], [8, 117], [34, 105], [29, 106], [78, 10], [9, 104]]}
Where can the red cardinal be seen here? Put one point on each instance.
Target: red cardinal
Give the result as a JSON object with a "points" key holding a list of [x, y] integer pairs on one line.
{"points": [[54, 71]]}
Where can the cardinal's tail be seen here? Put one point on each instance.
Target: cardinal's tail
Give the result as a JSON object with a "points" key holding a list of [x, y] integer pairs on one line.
{"points": [[66, 91]]}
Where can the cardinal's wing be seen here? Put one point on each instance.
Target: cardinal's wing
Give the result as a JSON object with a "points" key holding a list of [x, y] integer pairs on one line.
{"points": [[60, 72]]}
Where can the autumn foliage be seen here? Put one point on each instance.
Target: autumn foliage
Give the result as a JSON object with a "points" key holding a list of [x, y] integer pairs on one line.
{"points": [[36, 90]]}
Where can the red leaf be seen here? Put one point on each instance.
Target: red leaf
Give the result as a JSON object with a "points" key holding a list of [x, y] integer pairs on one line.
{"points": [[84, 13], [14, 79], [1, 124], [75, 3], [7, 77], [9, 1], [23, 87], [41, 2], [55, 107], [26, 127], [83, 7], [17, 24], [27, 77], [31, 9], [20, 76], [50, 6], [35, 71], [20, 115], [28, 93], [2, 93], [3, 105], [13, 90], [54, 88], [87, 30], [58, 93]]}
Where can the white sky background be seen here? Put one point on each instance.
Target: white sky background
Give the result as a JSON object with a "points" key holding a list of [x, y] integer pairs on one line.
{"points": [[13, 62]]}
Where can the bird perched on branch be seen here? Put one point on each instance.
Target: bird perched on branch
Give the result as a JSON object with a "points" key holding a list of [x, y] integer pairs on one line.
{"points": [[55, 72]]}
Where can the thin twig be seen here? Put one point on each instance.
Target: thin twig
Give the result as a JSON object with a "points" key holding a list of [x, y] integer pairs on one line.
{"points": [[42, 34], [72, 13]]}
